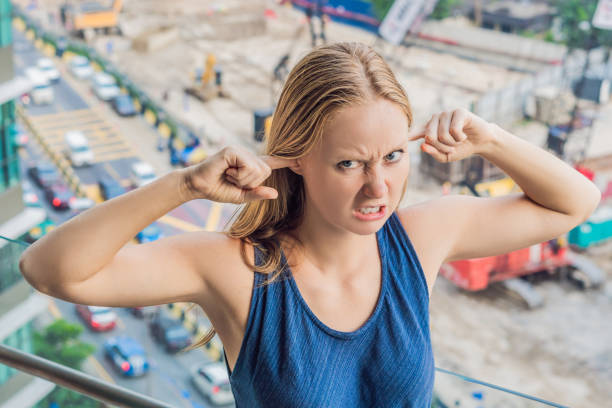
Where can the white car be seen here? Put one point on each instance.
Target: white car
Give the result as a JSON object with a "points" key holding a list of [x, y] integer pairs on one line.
{"points": [[80, 67], [104, 86], [47, 67], [81, 204], [141, 173], [212, 381], [78, 151], [41, 93]]}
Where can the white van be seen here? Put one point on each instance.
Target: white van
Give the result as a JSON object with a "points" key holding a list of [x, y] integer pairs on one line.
{"points": [[41, 93], [141, 173], [78, 151], [48, 68], [80, 67]]}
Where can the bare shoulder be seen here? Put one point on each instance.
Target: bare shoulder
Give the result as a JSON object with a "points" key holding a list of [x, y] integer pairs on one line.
{"points": [[228, 278], [426, 224]]}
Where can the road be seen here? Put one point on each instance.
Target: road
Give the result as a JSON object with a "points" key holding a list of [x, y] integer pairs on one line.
{"points": [[116, 143]]}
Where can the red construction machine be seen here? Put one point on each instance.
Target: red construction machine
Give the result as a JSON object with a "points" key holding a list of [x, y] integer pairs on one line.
{"points": [[511, 270]]}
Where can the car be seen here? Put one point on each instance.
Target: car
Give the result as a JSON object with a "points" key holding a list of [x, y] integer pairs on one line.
{"points": [[169, 332], [141, 173], [110, 188], [211, 379], [127, 355], [145, 311], [29, 196], [59, 196], [98, 318], [42, 92], [105, 86], [80, 67], [78, 151], [81, 204], [47, 67], [150, 233], [123, 105], [43, 174]]}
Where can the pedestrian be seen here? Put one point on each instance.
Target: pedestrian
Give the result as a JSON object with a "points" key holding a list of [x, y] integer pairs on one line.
{"points": [[320, 288]]}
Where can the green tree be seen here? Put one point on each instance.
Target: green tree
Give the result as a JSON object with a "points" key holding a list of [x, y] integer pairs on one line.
{"points": [[444, 8], [574, 12], [59, 342]]}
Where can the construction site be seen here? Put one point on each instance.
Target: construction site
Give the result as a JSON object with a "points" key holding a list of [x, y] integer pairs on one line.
{"points": [[218, 68]]}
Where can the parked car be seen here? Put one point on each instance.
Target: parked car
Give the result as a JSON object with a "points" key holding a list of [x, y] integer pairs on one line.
{"points": [[141, 173], [78, 151], [41, 93], [59, 196], [48, 68], [29, 196], [145, 311], [212, 381], [43, 174], [150, 234], [123, 105], [80, 67], [169, 332], [81, 204], [127, 355], [98, 318], [109, 187], [104, 86]]}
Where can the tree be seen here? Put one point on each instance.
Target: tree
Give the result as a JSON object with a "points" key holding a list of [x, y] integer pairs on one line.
{"points": [[59, 343], [574, 12], [444, 8]]}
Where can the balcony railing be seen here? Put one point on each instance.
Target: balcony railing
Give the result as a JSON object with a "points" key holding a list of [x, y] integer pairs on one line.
{"points": [[451, 389]]}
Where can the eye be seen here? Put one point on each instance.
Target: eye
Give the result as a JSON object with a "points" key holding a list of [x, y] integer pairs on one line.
{"points": [[394, 156], [347, 164]]}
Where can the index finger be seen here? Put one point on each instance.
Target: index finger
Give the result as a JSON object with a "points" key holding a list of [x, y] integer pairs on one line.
{"points": [[276, 162], [416, 133]]}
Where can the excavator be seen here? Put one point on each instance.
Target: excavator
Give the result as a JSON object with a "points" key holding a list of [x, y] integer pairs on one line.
{"points": [[203, 88]]}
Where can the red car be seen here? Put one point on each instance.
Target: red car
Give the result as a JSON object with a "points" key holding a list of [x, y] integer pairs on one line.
{"points": [[98, 318]]}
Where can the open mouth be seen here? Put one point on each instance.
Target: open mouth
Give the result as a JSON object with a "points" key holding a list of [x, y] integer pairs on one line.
{"points": [[370, 213]]}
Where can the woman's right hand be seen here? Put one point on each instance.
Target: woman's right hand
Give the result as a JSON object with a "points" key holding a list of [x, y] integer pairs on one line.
{"points": [[232, 175]]}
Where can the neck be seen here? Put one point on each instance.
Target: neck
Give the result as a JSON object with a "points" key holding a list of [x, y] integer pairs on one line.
{"points": [[329, 249]]}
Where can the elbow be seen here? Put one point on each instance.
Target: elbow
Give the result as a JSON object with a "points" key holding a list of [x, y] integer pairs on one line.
{"points": [[591, 204], [28, 271]]}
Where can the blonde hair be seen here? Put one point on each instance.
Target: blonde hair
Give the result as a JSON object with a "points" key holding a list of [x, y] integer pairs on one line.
{"points": [[327, 79]]}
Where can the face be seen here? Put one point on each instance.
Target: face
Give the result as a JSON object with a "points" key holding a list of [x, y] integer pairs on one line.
{"points": [[355, 176]]}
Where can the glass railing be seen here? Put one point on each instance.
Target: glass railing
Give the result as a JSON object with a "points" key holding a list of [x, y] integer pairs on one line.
{"points": [[451, 389]]}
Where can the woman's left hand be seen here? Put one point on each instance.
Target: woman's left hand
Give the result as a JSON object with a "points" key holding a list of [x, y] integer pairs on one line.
{"points": [[454, 135]]}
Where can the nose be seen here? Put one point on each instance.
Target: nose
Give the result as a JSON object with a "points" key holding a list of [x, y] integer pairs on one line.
{"points": [[375, 185]]}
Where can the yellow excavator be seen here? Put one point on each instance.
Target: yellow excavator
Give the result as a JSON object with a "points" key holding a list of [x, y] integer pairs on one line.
{"points": [[203, 88]]}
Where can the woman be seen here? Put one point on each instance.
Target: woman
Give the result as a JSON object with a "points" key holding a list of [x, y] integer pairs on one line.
{"points": [[336, 312]]}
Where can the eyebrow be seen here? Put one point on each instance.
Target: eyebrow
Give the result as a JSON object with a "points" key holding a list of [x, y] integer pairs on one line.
{"points": [[353, 152]]}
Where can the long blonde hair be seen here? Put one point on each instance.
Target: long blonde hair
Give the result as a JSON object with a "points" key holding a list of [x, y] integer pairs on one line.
{"points": [[327, 79]]}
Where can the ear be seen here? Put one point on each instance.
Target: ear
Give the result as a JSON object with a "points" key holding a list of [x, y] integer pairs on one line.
{"points": [[296, 167]]}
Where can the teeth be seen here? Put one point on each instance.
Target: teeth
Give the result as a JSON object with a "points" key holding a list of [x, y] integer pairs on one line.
{"points": [[369, 210]]}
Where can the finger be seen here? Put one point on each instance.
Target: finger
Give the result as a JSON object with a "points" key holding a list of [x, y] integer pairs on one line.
{"points": [[232, 180], [442, 157], [260, 193], [431, 135], [443, 128], [456, 126], [276, 162], [416, 133]]}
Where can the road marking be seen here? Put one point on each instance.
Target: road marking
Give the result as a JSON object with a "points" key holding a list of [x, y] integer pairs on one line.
{"points": [[213, 216], [180, 224], [112, 172], [98, 367]]}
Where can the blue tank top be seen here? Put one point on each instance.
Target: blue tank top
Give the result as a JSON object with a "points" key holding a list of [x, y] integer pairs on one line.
{"points": [[289, 358]]}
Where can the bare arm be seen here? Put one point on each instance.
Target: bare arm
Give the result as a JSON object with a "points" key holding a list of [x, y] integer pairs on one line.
{"points": [[89, 259], [555, 197]]}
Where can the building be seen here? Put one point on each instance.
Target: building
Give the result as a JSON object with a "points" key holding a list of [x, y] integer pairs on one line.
{"points": [[19, 303]]}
